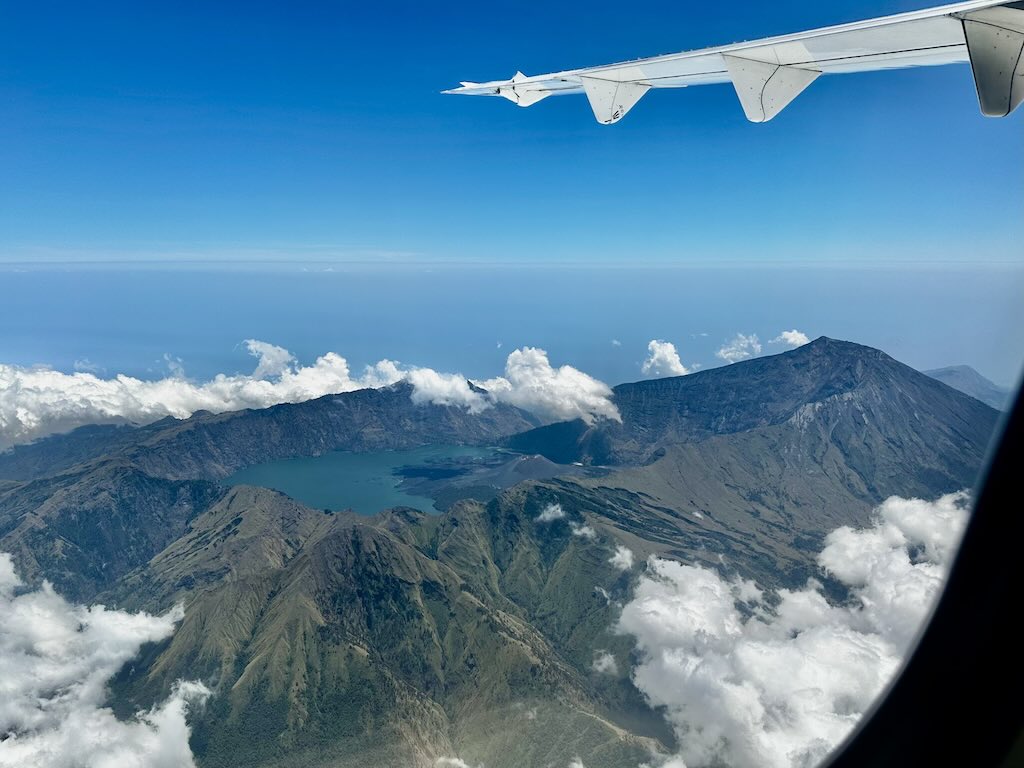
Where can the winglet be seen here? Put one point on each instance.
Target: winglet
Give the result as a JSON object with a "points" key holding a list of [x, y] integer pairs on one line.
{"points": [[611, 100], [995, 42], [766, 89]]}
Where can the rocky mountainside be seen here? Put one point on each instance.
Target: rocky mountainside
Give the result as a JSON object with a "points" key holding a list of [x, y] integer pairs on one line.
{"points": [[877, 409], [212, 446], [89, 506], [393, 640], [397, 639], [970, 382]]}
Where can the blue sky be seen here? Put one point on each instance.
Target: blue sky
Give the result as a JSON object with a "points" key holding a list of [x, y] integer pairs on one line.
{"points": [[315, 131], [468, 318]]}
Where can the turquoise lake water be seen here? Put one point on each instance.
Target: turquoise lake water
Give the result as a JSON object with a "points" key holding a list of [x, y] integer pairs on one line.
{"points": [[364, 482]]}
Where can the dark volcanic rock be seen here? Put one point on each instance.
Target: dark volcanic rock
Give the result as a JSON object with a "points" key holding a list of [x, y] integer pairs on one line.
{"points": [[213, 446], [887, 419], [85, 525], [398, 639]]}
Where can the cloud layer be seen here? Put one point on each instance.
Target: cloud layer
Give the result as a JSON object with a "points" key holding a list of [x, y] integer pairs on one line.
{"points": [[781, 688], [35, 402], [55, 661], [663, 360]]}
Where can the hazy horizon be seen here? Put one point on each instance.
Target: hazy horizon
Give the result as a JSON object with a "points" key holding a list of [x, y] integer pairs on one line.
{"points": [[112, 320]]}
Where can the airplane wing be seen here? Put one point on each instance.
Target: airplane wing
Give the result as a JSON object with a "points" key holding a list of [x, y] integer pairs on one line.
{"points": [[768, 74]]}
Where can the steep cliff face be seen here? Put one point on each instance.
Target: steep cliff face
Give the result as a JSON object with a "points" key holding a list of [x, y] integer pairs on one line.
{"points": [[212, 446], [85, 525], [873, 405], [397, 639], [84, 528]]}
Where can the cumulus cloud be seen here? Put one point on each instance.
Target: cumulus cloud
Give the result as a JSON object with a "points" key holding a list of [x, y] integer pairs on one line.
{"points": [[35, 402], [583, 531], [38, 401], [429, 386], [605, 663], [623, 558], [553, 512], [560, 394], [663, 360], [273, 360], [739, 348], [550, 513], [55, 661], [792, 338], [781, 687]]}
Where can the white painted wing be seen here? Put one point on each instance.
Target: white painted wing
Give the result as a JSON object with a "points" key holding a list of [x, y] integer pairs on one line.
{"points": [[768, 74]]}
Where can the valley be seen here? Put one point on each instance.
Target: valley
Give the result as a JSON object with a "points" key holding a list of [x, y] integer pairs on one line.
{"points": [[399, 636]]}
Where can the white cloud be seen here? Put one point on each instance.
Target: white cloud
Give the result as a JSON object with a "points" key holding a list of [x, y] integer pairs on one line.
{"points": [[429, 386], [605, 663], [616, 343], [740, 348], [583, 531], [55, 661], [273, 360], [533, 384], [663, 360], [792, 338], [781, 688], [550, 513], [623, 558], [576, 763], [662, 762], [451, 762], [553, 512], [35, 402]]}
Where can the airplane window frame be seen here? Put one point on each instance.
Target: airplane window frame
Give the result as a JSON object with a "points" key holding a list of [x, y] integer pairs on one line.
{"points": [[959, 692]]}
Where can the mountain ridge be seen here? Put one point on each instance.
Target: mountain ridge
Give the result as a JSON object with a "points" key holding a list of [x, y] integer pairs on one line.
{"points": [[214, 445], [736, 398], [400, 638], [967, 380]]}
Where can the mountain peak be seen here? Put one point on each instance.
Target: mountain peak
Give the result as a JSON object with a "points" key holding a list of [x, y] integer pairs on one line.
{"points": [[754, 394], [970, 382]]}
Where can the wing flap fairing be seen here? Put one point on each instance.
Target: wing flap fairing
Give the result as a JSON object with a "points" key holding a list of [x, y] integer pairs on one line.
{"points": [[611, 100], [766, 89]]}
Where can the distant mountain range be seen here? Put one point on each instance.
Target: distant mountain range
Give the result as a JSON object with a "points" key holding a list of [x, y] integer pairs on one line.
{"points": [[970, 382], [212, 446], [396, 639]]}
